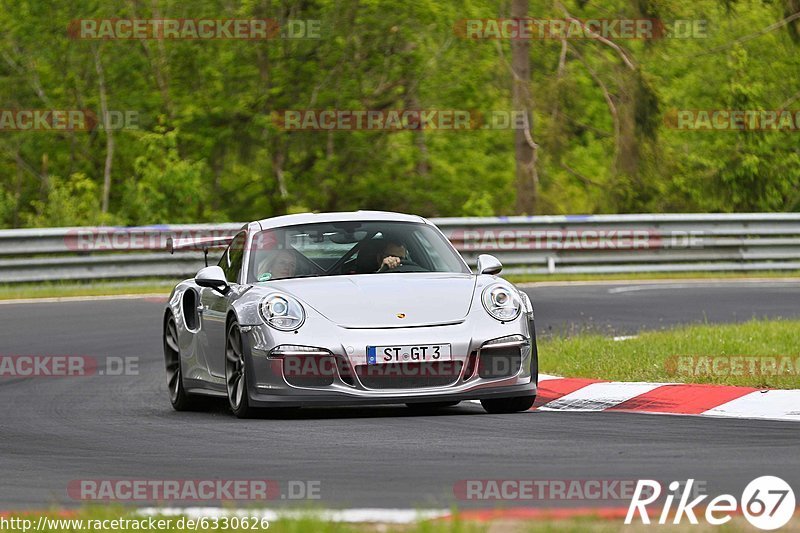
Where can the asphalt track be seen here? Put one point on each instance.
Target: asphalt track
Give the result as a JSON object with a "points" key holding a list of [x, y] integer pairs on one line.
{"points": [[55, 430]]}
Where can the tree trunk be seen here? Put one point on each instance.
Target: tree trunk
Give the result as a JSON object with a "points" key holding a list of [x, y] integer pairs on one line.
{"points": [[527, 179], [17, 188], [44, 190], [278, 160], [627, 161], [101, 80]]}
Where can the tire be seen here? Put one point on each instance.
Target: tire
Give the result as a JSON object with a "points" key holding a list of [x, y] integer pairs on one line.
{"points": [[432, 406], [534, 355], [515, 404], [178, 397], [236, 373]]}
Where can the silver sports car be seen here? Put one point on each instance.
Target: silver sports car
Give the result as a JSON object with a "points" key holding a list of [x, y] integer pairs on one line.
{"points": [[348, 308]]}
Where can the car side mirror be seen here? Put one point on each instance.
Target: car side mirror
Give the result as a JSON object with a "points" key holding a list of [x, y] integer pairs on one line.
{"points": [[214, 278], [489, 264]]}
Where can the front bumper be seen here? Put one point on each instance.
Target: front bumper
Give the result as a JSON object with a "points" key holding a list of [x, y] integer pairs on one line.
{"points": [[328, 398], [269, 385]]}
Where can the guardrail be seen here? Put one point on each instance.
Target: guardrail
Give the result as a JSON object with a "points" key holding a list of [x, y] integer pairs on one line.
{"points": [[525, 245]]}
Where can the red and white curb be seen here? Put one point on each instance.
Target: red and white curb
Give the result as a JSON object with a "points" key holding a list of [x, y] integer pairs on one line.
{"points": [[363, 516], [395, 516], [367, 515], [579, 394], [402, 516]]}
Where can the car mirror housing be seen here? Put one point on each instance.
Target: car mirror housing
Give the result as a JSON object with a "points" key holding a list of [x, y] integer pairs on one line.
{"points": [[214, 278], [489, 264]]}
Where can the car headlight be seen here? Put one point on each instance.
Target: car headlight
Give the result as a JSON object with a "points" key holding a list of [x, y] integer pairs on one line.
{"points": [[282, 312], [502, 303], [527, 306]]}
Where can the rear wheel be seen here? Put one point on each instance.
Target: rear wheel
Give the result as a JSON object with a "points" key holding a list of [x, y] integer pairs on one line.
{"points": [[236, 372], [508, 405], [178, 397]]}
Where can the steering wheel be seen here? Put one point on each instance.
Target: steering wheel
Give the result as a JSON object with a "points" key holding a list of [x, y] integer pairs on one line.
{"points": [[407, 265]]}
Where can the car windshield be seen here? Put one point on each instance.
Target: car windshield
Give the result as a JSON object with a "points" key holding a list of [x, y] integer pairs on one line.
{"points": [[341, 248]]}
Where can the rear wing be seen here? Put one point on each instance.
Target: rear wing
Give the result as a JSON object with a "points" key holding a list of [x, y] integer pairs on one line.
{"points": [[198, 243]]}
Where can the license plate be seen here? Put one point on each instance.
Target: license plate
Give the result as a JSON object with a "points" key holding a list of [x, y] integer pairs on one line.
{"points": [[409, 353]]}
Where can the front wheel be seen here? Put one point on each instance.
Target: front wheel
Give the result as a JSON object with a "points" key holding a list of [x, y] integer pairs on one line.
{"points": [[178, 397], [236, 373], [508, 405]]}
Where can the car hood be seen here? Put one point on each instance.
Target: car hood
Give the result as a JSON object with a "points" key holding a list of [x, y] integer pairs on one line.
{"points": [[385, 300]]}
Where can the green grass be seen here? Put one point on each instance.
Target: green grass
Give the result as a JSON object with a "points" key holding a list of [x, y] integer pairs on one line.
{"points": [[65, 289], [638, 276], [651, 356]]}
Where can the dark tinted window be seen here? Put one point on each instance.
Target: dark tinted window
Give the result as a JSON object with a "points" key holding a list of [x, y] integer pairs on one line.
{"points": [[337, 248], [231, 261]]}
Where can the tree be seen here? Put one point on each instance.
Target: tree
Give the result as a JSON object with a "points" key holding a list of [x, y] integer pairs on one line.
{"points": [[527, 177]]}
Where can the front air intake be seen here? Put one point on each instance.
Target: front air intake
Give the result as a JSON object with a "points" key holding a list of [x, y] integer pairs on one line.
{"points": [[500, 362], [412, 375], [309, 370]]}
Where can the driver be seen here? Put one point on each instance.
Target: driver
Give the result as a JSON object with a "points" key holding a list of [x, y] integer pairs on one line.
{"points": [[392, 255], [281, 265]]}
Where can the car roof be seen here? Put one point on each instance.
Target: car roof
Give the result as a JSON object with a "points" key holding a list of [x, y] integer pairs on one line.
{"points": [[361, 216]]}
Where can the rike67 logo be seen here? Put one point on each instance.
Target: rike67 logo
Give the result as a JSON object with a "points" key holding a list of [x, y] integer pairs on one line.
{"points": [[767, 502]]}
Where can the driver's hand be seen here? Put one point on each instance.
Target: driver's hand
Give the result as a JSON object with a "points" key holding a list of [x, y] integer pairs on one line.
{"points": [[390, 262]]}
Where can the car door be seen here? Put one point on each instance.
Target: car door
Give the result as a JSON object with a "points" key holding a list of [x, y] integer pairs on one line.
{"points": [[215, 307]]}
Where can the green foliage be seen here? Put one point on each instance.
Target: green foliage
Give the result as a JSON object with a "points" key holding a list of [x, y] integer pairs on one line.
{"points": [[478, 205], [6, 208], [206, 147], [163, 180], [71, 202]]}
